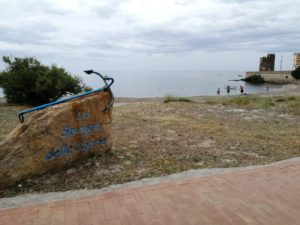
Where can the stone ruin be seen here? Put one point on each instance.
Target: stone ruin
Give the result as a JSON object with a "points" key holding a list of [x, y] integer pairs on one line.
{"points": [[267, 63]]}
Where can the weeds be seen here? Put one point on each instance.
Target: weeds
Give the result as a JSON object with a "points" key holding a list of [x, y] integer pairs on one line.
{"points": [[289, 104], [8, 119], [293, 108], [267, 103], [285, 99], [154, 139], [241, 101], [170, 98], [248, 101], [211, 101]]}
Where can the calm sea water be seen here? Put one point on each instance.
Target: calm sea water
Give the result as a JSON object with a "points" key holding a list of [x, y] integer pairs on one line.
{"points": [[179, 83], [183, 83]]}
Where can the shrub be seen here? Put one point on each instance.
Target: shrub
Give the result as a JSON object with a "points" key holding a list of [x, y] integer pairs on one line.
{"points": [[210, 101], [27, 81], [171, 98], [239, 100], [296, 73], [285, 99], [268, 103]]}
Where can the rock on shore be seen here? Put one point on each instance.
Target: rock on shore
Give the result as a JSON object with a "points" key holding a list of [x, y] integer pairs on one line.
{"points": [[56, 136]]}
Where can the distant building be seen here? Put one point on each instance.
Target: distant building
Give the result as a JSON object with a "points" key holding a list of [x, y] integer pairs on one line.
{"points": [[296, 63], [267, 63]]}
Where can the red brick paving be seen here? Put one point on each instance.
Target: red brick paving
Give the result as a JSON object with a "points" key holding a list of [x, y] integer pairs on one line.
{"points": [[268, 195]]}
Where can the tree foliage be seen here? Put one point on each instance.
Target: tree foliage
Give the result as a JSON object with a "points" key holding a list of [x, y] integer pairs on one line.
{"points": [[296, 73], [27, 81]]}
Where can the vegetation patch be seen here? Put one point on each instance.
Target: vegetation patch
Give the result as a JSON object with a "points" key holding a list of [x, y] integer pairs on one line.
{"points": [[211, 100], [293, 108], [296, 73], [286, 99], [248, 101], [26, 81], [8, 118], [170, 98], [155, 139], [240, 100]]}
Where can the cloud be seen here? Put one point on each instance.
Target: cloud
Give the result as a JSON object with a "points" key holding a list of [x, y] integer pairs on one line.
{"points": [[116, 28]]}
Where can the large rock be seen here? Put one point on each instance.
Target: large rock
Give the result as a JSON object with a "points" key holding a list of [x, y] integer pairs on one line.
{"points": [[56, 136]]}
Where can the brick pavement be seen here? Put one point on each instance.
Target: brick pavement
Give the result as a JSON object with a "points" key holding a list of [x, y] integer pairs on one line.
{"points": [[268, 195]]}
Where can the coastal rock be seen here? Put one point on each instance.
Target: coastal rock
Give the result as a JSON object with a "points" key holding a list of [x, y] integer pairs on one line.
{"points": [[56, 136]]}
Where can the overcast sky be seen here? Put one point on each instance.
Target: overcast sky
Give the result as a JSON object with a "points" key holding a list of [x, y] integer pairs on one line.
{"points": [[151, 34]]}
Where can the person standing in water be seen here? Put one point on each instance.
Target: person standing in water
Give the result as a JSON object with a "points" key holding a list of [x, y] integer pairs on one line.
{"points": [[242, 89]]}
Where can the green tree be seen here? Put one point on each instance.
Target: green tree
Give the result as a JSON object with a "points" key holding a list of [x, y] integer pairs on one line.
{"points": [[296, 73], [27, 81]]}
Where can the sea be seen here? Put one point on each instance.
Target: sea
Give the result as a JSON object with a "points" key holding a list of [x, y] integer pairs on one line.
{"points": [[142, 84], [183, 83]]}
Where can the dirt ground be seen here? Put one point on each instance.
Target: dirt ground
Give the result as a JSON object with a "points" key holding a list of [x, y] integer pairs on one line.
{"points": [[153, 138]]}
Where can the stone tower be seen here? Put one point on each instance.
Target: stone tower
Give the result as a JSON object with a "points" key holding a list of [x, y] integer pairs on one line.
{"points": [[267, 63]]}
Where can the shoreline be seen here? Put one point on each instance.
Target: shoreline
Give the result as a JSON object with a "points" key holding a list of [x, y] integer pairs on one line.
{"points": [[294, 89]]}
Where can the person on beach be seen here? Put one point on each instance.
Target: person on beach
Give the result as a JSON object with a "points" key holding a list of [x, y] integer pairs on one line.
{"points": [[218, 91], [228, 89], [242, 89]]}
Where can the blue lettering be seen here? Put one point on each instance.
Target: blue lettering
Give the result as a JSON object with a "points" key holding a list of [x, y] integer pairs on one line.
{"points": [[67, 149], [87, 129], [84, 116], [56, 153], [88, 145]]}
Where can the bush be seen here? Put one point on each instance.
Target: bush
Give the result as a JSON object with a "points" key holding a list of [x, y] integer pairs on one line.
{"points": [[296, 73], [285, 99], [211, 101], [239, 100], [170, 98], [27, 81]]}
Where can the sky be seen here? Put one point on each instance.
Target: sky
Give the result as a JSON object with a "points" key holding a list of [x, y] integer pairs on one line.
{"points": [[149, 35]]}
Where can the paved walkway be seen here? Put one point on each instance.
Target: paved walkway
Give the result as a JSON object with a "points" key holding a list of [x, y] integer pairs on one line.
{"points": [[266, 195]]}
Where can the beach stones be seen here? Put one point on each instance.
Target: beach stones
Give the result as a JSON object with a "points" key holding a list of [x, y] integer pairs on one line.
{"points": [[56, 136]]}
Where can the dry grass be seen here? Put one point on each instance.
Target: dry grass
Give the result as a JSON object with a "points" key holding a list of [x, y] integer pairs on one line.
{"points": [[170, 98], [8, 118], [250, 102], [154, 139], [288, 104]]}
